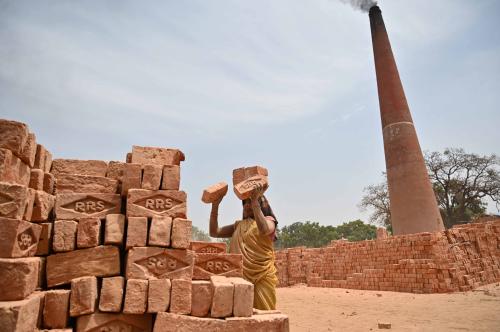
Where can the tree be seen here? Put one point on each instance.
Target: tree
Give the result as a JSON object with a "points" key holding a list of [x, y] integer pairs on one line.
{"points": [[461, 182], [357, 231], [199, 235]]}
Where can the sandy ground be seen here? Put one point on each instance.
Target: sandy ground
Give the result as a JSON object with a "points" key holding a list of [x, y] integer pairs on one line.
{"points": [[336, 309]]}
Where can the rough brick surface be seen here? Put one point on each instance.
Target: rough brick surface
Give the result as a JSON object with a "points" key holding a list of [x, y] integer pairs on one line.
{"points": [[28, 152], [81, 167], [243, 297], [49, 183], [258, 323], [114, 229], [42, 206], [171, 177], [13, 199], [159, 295], [207, 265], [201, 298], [20, 315], [56, 309], [181, 233], [203, 247], [114, 322], [159, 232], [83, 299], [77, 206], [19, 277], [14, 135], [169, 322], [64, 235], [45, 240], [115, 170], [102, 261], [215, 192], [132, 178], [40, 157], [18, 238], [156, 156], [245, 189], [222, 300], [75, 183], [36, 179], [150, 203], [136, 296], [111, 297], [151, 177], [137, 232], [180, 298], [159, 263], [88, 233]]}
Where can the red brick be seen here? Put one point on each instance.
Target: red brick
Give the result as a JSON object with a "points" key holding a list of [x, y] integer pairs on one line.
{"points": [[114, 322], [168, 322], [136, 296], [171, 177], [207, 265], [49, 183], [13, 200], [245, 189], [159, 295], [202, 247], [45, 240], [180, 298], [14, 136], [201, 299], [243, 297], [18, 238], [159, 263], [88, 233], [114, 229], [159, 232], [21, 315], [137, 232], [36, 179], [214, 192], [28, 153], [132, 178], [40, 157], [77, 206], [19, 277], [83, 299], [111, 297], [64, 235], [181, 233], [56, 309], [151, 177], [74, 183], [150, 203], [222, 300], [156, 156], [80, 167]]}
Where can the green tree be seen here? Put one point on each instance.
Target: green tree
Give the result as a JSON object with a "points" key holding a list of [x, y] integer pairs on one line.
{"points": [[357, 231], [199, 235]]}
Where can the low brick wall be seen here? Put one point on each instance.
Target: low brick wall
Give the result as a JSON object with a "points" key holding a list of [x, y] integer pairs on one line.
{"points": [[458, 259]]}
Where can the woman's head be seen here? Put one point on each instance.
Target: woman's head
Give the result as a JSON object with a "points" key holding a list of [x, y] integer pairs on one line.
{"points": [[264, 206]]}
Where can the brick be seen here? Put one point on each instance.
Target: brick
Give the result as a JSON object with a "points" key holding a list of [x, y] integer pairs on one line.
{"points": [[222, 300], [115, 170], [159, 232], [156, 156], [181, 233], [128, 157], [42, 206], [23, 174], [243, 297], [77, 206], [80, 167], [245, 189], [102, 261], [56, 309], [14, 136], [13, 199], [114, 322], [21, 315], [159, 263], [64, 235], [207, 265], [243, 173], [18, 238], [171, 179], [114, 229], [36, 179], [269, 322], [150, 203], [30, 202], [83, 299], [201, 299], [203, 247], [74, 183], [48, 162], [19, 277], [132, 178], [49, 183], [42, 277], [214, 192], [238, 175], [45, 240], [88, 233], [180, 298], [136, 296], [137, 232], [168, 322], [111, 297], [40, 157], [6, 174], [151, 177], [28, 152], [159, 295]]}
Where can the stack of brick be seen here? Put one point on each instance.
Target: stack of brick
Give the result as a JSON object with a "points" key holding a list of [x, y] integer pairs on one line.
{"points": [[116, 252], [458, 259]]}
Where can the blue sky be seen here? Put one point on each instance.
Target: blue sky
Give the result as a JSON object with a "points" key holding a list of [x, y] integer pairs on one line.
{"points": [[285, 84]]}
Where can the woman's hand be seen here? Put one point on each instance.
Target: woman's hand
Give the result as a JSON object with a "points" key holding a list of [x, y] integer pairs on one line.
{"points": [[257, 192]]}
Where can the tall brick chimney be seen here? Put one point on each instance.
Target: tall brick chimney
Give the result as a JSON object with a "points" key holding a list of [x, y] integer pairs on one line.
{"points": [[413, 204]]}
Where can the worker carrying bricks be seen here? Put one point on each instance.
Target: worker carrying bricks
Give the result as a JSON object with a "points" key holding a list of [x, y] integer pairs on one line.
{"points": [[253, 236]]}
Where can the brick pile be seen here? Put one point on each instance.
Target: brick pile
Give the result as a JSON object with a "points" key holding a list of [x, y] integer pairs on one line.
{"points": [[459, 259], [87, 245]]}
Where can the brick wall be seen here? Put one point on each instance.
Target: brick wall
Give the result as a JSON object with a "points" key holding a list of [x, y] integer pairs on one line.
{"points": [[458, 259]]}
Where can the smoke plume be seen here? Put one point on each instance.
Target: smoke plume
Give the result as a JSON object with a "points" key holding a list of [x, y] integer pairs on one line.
{"points": [[363, 5]]}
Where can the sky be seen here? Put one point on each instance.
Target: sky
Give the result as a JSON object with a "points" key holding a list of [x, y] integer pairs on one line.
{"points": [[286, 84]]}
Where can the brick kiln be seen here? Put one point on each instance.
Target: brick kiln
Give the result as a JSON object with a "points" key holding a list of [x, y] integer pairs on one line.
{"points": [[87, 245]]}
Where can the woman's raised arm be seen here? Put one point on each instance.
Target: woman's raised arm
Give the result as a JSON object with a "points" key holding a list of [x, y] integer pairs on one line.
{"points": [[215, 231]]}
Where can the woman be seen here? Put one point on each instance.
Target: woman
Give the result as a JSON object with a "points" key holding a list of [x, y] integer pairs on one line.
{"points": [[253, 238]]}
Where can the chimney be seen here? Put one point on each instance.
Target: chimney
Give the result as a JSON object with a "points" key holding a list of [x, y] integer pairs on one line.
{"points": [[413, 204]]}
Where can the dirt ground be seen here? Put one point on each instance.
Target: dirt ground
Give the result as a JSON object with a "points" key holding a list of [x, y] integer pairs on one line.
{"points": [[336, 309]]}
